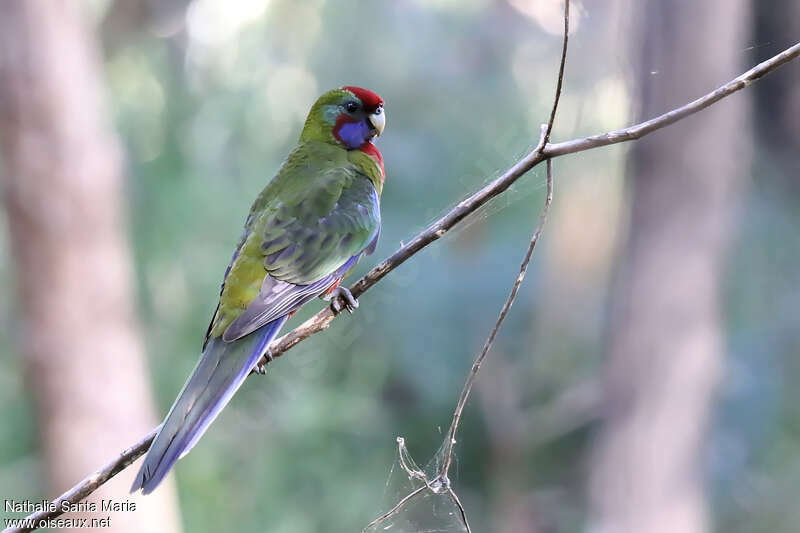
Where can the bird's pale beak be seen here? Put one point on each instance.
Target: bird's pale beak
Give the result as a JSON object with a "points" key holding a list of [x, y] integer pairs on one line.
{"points": [[378, 120]]}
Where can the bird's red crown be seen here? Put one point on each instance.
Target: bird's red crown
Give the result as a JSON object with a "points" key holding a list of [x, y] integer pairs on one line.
{"points": [[370, 100]]}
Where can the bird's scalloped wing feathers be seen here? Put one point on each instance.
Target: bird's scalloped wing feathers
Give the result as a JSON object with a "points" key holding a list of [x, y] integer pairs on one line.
{"points": [[311, 239], [309, 235], [278, 298]]}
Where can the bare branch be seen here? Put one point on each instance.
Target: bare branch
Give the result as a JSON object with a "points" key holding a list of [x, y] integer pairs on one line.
{"points": [[89, 484], [439, 228], [649, 126], [560, 80], [462, 512]]}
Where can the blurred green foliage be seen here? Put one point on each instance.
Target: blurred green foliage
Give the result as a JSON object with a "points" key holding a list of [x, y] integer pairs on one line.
{"points": [[209, 103]]}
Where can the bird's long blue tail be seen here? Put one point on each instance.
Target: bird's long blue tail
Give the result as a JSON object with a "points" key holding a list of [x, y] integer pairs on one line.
{"points": [[220, 372]]}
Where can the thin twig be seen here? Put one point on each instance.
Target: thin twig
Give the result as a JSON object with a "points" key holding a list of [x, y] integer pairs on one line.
{"points": [[438, 229], [546, 130], [441, 479], [560, 80], [90, 484], [394, 510], [461, 510], [476, 365], [640, 130]]}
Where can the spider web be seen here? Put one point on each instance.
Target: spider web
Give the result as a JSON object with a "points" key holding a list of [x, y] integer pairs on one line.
{"points": [[419, 500]]}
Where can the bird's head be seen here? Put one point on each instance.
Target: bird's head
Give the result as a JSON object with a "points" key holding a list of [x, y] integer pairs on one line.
{"points": [[350, 117]]}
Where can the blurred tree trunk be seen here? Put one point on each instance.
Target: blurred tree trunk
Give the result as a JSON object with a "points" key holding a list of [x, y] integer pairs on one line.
{"points": [[665, 338], [62, 190]]}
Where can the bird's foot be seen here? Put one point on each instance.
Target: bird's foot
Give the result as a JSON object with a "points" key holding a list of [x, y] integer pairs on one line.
{"points": [[342, 300], [261, 365]]}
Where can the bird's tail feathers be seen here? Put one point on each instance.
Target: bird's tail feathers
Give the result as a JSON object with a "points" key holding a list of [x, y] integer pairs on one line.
{"points": [[220, 372]]}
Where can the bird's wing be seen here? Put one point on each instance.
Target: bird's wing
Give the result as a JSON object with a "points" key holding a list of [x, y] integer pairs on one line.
{"points": [[305, 239]]}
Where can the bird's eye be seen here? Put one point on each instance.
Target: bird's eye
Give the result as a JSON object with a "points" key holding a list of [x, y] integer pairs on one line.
{"points": [[378, 111], [351, 107]]}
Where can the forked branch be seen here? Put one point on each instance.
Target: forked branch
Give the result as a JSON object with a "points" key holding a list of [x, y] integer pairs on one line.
{"points": [[441, 481]]}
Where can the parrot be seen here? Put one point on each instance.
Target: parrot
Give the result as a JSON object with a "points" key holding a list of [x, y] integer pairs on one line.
{"points": [[307, 228]]}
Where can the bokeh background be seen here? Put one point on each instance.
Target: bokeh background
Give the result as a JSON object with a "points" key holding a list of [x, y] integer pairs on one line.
{"points": [[644, 380]]}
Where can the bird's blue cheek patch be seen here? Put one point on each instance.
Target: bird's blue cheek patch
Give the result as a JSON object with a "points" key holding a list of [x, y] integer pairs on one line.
{"points": [[353, 134]]}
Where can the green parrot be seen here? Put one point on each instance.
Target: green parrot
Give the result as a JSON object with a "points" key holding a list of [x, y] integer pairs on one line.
{"points": [[308, 227]]}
